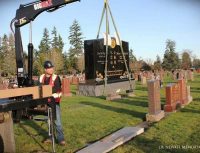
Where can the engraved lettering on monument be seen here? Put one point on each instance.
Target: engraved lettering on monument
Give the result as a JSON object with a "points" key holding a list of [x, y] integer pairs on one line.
{"points": [[95, 58]]}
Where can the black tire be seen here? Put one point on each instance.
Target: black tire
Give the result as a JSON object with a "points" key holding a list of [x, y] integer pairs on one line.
{"points": [[1, 145]]}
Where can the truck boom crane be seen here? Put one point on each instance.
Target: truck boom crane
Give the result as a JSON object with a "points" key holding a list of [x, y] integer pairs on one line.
{"points": [[27, 95], [24, 15]]}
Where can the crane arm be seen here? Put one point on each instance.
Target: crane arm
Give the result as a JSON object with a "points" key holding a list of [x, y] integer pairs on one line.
{"points": [[28, 12], [24, 15]]}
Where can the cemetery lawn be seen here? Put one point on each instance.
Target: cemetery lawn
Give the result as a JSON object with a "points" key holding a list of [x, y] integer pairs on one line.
{"points": [[87, 119]]}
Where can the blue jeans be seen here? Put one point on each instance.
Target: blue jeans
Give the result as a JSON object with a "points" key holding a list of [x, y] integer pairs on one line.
{"points": [[58, 125]]}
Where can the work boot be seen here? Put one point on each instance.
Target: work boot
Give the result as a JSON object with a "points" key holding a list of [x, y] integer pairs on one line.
{"points": [[62, 143]]}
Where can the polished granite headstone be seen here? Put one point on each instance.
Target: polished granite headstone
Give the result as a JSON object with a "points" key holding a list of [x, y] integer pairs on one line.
{"points": [[117, 76], [95, 57]]}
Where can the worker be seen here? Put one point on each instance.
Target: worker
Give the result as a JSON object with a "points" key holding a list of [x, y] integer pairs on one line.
{"points": [[49, 78]]}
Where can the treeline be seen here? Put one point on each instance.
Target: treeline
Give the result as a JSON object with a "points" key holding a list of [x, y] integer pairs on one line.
{"points": [[171, 60], [7, 55], [51, 47]]}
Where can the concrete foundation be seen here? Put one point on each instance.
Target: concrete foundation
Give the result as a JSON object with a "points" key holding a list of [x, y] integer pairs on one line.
{"points": [[155, 117], [87, 89]]}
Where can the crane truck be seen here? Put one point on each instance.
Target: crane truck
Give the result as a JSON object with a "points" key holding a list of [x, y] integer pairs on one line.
{"points": [[27, 95]]}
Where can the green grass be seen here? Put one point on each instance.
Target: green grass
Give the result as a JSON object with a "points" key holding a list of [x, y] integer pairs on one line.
{"points": [[87, 119], [174, 133]]}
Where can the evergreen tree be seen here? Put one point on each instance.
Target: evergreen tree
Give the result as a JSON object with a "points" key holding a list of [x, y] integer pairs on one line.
{"points": [[75, 39], [60, 44], [54, 42], [38, 63], [132, 56], [186, 60], [66, 63], [8, 52], [81, 63], [44, 46], [157, 63], [146, 66], [12, 58], [5, 49], [171, 58], [43, 53], [132, 60], [72, 60], [56, 51], [76, 42], [49, 50], [58, 60], [35, 61]]}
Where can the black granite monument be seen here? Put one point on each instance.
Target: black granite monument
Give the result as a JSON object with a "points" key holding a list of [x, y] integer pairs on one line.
{"points": [[95, 57]]}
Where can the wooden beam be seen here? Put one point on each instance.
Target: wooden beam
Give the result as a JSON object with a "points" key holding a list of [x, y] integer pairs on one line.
{"points": [[34, 91]]}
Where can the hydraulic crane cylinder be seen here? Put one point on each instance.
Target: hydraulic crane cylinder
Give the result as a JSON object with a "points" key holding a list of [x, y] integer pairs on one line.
{"points": [[30, 64]]}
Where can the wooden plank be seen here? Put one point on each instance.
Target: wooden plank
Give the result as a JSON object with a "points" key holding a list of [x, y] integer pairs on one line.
{"points": [[6, 132], [46, 91], [112, 141], [34, 91]]}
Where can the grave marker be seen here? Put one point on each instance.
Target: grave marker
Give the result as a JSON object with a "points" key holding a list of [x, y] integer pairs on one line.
{"points": [[66, 87], [183, 92], [172, 97], [95, 61], [155, 113]]}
